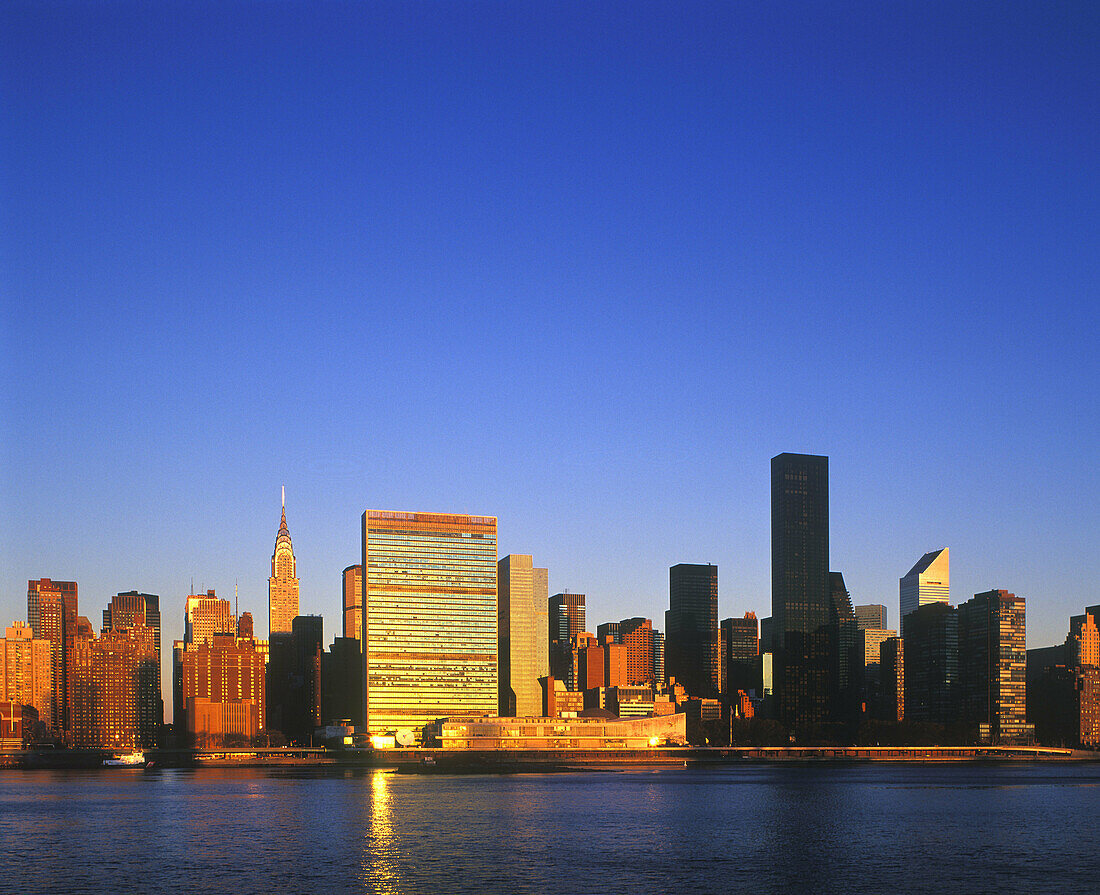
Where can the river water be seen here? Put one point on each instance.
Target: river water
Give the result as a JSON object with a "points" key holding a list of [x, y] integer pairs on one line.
{"points": [[757, 828]]}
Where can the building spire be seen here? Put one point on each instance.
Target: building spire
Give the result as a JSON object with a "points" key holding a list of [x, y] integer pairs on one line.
{"points": [[284, 500]]}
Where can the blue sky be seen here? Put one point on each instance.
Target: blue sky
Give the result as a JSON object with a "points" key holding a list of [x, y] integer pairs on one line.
{"points": [[585, 267]]}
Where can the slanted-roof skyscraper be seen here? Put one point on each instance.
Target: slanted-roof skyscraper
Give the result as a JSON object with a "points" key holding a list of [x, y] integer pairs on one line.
{"points": [[429, 618], [927, 582], [282, 586], [801, 587]]}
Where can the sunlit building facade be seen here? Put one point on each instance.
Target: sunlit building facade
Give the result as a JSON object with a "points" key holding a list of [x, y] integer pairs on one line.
{"points": [[929, 581], [222, 689], [565, 620], [522, 599], [26, 670], [206, 615], [282, 586], [352, 588], [116, 701], [429, 618], [52, 615]]}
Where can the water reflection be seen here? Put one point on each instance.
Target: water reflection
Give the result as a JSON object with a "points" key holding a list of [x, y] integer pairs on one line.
{"points": [[381, 870]]}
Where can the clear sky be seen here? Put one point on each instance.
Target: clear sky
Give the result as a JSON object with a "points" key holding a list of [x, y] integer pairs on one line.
{"points": [[585, 267]]}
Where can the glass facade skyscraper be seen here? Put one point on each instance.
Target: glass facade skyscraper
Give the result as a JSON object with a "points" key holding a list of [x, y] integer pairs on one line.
{"points": [[801, 587], [692, 640], [429, 618], [522, 599]]}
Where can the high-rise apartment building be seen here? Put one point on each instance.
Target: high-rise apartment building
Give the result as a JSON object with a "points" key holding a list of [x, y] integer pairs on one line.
{"points": [[282, 586], [116, 701], [1083, 640], [565, 619], [222, 690], [692, 637], [741, 654], [993, 665], [132, 608], [205, 615], [52, 616], [929, 581], [352, 587], [932, 664], [871, 617], [522, 632], [429, 618], [636, 636], [26, 670], [801, 588], [659, 678]]}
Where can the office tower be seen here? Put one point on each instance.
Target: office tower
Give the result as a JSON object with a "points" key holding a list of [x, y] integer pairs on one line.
{"points": [[565, 620], [692, 643], [352, 581], [891, 705], [741, 655], [1083, 640], [429, 618], [871, 617], [222, 690], [205, 615], [845, 661], [602, 664], [636, 636], [932, 664], [52, 616], [927, 582], [342, 682], [801, 589], [282, 586], [245, 626], [132, 608], [116, 703], [294, 687], [659, 678], [522, 632], [26, 670], [869, 651], [993, 665], [609, 629]]}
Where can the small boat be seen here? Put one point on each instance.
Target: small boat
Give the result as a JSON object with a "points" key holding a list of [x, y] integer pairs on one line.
{"points": [[129, 760]]}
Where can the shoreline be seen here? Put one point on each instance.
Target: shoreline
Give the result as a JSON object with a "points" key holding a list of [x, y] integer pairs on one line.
{"points": [[440, 761]]}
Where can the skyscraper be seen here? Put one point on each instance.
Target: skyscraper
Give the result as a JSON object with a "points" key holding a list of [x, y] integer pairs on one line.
{"points": [[429, 618], [282, 586], [927, 582], [222, 690], [52, 615], [692, 640], [26, 670], [131, 608], [801, 588], [872, 616], [636, 635], [116, 701], [993, 665], [352, 587], [205, 615], [565, 618], [932, 664], [522, 631], [659, 677], [846, 665], [741, 654]]}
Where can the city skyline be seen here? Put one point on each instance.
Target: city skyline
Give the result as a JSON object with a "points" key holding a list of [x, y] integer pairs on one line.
{"points": [[584, 269]]}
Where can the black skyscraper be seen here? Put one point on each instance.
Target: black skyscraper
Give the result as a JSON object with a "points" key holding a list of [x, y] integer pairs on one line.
{"points": [[801, 588], [692, 653]]}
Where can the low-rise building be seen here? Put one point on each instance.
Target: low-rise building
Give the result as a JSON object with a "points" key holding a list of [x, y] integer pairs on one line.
{"points": [[563, 733]]}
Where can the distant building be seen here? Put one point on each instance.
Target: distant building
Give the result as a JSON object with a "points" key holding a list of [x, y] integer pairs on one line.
{"points": [[515, 734], [927, 582], [26, 670], [132, 608], [522, 632], [205, 615], [342, 682], [869, 646], [352, 587], [932, 664], [565, 620], [741, 655], [845, 660], [801, 590], [282, 586], [116, 694], [429, 618], [221, 691], [1083, 640], [52, 616], [559, 702], [294, 685], [993, 665], [659, 677], [692, 638], [891, 706], [871, 617]]}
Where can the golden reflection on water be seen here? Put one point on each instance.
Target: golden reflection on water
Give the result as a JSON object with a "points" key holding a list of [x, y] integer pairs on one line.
{"points": [[381, 871]]}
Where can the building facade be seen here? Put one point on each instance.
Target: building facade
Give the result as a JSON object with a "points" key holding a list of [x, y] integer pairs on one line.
{"points": [[929, 581], [993, 665], [892, 675], [282, 586], [565, 620], [871, 616], [26, 670], [741, 655], [223, 689], [522, 634], [132, 608], [352, 587], [692, 636], [205, 615], [801, 588], [52, 616], [429, 618], [116, 702], [932, 664]]}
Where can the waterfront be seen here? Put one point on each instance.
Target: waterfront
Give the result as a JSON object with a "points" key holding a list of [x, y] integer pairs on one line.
{"points": [[763, 828]]}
